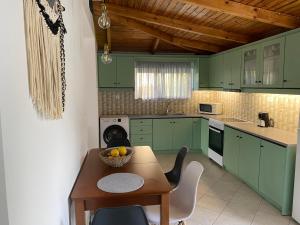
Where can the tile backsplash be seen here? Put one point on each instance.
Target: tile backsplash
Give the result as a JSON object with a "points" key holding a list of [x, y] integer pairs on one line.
{"points": [[284, 109]]}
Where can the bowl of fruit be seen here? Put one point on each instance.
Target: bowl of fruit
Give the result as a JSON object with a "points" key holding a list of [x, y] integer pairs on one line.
{"points": [[116, 156]]}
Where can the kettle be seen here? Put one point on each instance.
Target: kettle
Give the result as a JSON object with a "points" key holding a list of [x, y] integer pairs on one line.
{"points": [[263, 119]]}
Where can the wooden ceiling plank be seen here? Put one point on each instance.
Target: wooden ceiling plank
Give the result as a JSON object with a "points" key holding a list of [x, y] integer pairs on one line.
{"points": [[175, 23], [248, 12], [166, 37], [155, 45]]}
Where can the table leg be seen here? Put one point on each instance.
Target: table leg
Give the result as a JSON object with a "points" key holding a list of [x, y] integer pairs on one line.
{"points": [[79, 212], [164, 209]]}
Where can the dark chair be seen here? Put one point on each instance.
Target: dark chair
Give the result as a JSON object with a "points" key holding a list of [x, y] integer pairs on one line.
{"points": [[173, 176], [118, 142], [126, 215]]}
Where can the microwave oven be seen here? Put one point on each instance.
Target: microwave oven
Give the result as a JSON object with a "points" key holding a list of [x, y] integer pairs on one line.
{"points": [[210, 108]]}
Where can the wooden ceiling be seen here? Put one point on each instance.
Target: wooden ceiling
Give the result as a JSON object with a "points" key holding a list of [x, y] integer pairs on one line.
{"points": [[192, 26]]}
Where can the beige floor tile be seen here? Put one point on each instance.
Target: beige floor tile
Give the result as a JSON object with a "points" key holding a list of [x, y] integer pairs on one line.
{"points": [[223, 190], [262, 218], [202, 216], [212, 203], [236, 220], [293, 222]]}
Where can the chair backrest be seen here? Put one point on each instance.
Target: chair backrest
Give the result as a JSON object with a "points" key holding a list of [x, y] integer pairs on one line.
{"points": [[175, 173], [185, 195]]}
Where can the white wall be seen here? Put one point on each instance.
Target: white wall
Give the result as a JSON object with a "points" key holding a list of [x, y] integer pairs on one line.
{"points": [[3, 204], [42, 158]]}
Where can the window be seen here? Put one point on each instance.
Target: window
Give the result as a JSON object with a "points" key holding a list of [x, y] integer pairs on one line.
{"points": [[163, 80]]}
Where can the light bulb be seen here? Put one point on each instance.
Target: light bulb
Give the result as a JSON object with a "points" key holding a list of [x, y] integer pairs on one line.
{"points": [[104, 20], [106, 58]]}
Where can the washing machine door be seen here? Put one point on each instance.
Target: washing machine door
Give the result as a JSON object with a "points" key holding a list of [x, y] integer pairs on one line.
{"points": [[114, 132]]}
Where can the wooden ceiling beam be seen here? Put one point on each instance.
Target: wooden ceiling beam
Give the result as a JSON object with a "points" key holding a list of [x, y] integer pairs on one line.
{"points": [[174, 23], [248, 12], [155, 45], [165, 36]]}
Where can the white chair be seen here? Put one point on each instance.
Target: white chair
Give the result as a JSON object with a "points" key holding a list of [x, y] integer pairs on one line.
{"points": [[182, 199]]}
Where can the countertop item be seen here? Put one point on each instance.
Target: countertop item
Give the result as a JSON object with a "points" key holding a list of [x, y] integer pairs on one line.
{"points": [[155, 190]]}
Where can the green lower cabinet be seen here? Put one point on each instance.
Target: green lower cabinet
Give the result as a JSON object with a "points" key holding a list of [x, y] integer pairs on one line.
{"points": [[196, 145], [182, 133], [276, 175], [141, 140], [162, 134], [231, 150], [141, 132], [204, 136], [249, 159]]}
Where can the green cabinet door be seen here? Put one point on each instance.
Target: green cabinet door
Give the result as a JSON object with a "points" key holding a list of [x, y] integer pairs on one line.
{"points": [[203, 72], [182, 133], [272, 172], [249, 159], [236, 65], [227, 70], [162, 134], [107, 73], [250, 75], [272, 63], [125, 71], [204, 136], [196, 145], [231, 150], [292, 61], [216, 66]]}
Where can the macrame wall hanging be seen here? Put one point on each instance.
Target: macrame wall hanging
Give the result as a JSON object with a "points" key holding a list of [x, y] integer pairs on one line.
{"points": [[45, 32]]}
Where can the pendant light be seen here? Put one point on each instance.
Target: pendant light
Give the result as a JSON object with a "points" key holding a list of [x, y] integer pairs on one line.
{"points": [[106, 57], [104, 20]]}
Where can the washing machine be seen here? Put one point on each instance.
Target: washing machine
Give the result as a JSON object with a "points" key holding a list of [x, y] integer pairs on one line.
{"points": [[113, 127]]}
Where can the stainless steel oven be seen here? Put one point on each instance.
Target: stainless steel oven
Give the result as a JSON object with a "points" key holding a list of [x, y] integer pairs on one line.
{"points": [[216, 141]]}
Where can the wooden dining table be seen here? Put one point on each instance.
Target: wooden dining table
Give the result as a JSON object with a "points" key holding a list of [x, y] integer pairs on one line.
{"points": [[155, 191]]}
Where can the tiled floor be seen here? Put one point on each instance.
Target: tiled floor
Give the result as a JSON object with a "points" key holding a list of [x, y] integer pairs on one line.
{"points": [[225, 200]]}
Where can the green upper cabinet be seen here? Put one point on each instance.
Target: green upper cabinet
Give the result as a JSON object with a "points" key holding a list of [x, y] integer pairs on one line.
{"points": [[196, 145], [107, 73], [250, 76], [232, 69], [163, 134], [125, 71], [119, 73], [272, 63], [262, 64], [216, 73], [203, 72], [182, 133], [204, 136], [249, 159], [231, 150], [292, 61]]}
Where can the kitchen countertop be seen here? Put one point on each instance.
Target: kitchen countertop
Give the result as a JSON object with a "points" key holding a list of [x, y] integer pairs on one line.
{"points": [[281, 137]]}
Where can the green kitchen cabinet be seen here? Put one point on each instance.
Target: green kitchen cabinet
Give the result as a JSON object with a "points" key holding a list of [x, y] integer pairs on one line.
{"points": [[204, 136], [232, 69], [141, 132], [118, 74], [125, 71], [163, 134], [249, 156], [196, 144], [292, 61], [107, 73], [182, 133], [276, 175], [216, 73], [231, 150], [203, 72], [272, 63], [250, 76]]}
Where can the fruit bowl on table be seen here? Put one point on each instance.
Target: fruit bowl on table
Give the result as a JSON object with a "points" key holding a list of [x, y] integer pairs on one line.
{"points": [[110, 156]]}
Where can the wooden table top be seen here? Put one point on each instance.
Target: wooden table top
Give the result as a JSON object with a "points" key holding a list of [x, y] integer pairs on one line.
{"points": [[143, 163]]}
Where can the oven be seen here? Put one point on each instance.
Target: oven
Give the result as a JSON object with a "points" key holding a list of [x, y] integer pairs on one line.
{"points": [[216, 141]]}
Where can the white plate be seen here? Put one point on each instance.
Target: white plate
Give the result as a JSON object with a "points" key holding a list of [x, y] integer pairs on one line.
{"points": [[120, 183]]}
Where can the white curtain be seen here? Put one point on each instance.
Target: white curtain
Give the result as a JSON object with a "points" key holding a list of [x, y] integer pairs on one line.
{"points": [[163, 80]]}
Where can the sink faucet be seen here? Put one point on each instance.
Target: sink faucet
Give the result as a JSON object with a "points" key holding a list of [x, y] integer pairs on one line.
{"points": [[168, 107]]}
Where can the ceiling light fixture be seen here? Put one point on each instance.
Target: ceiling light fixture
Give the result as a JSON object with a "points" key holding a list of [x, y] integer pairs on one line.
{"points": [[104, 20], [106, 57]]}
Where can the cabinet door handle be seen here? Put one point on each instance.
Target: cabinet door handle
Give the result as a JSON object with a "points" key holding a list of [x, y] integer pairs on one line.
{"points": [[141, 138], [241, 137], [141, 130], [259, 81], [261, 146], [238, 136], [284, 80]]}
